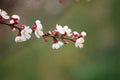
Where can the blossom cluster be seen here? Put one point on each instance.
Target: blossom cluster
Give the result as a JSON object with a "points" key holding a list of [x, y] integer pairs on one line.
{"points": [[61, 34]]}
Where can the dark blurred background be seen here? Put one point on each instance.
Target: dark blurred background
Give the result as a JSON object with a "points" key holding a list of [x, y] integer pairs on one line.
{"points": [[36, 60]]}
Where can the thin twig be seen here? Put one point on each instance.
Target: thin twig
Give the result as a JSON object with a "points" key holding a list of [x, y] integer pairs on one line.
{"points": [[10, 25]]}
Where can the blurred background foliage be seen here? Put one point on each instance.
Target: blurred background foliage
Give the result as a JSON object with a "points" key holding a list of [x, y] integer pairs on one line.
{"points": [[36, 60]]}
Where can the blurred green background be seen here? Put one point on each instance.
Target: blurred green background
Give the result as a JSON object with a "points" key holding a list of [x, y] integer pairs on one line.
{"points": [[36, 60]]}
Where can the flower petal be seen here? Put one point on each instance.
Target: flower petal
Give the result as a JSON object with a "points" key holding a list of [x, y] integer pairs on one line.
{"points": [[36, 34], [80, 45], [4, 15], [83, 34], [37, 22], [60, 43], [20, 39], [53, 46], [57, 46]]}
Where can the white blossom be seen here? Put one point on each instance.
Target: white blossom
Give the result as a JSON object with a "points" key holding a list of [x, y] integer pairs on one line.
{"points": [[38, 29], [57, 45], [26, 32], [63, 30], [79, 42], [4, 14], [14, 19], [67, 30], [20, 39]]}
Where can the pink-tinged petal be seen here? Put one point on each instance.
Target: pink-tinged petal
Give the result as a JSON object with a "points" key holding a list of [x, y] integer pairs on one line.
{"points": [[55, 32], [11, 21], [12, 28], [14, 19], [75, 34], [65, 41]]}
